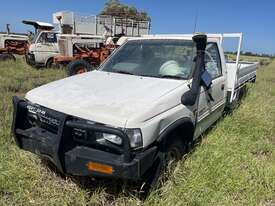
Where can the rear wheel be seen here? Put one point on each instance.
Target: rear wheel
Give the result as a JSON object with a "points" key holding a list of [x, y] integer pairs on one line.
{"points": [[5, 57], [238, 96], [78, 67]]}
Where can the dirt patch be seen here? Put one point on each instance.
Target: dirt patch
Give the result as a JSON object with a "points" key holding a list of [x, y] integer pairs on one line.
{"points": [[6, 195], [269, 203], [271, 140], [262, 154]]}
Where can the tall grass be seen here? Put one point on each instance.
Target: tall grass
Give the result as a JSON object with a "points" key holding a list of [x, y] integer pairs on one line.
{"points": [[233, 165]]}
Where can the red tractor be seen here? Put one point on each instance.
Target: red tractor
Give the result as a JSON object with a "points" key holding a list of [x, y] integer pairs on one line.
{"points": [[80, 53]]}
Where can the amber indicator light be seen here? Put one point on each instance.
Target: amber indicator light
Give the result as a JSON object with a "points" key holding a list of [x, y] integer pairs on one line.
{"points": [[97, 167]]}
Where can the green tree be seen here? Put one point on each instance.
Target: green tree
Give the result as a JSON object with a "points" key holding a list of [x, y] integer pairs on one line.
{"points": [[116, 8]]}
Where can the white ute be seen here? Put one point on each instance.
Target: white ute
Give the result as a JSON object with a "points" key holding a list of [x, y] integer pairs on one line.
{"points": [[142, 108]]}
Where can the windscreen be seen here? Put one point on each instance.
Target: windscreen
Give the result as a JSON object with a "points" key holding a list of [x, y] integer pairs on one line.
{"points": [[47, 37], [154, 58], [34, 38]]}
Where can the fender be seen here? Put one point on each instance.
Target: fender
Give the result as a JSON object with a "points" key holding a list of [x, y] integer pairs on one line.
{"points": [[172, 126]]}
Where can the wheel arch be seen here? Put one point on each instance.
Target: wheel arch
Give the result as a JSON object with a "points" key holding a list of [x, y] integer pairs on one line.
{"points": [[181, 126], [48, 59]]}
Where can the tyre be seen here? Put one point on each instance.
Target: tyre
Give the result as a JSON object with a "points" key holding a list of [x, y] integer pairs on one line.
{"points": [[238, 96], [50, 64], [174, 150], [5, 57], [233, 105], [78, 67]]}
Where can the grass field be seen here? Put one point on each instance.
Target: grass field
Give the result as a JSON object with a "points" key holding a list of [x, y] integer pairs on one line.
{"points": [[233, 165], [262, 60]]}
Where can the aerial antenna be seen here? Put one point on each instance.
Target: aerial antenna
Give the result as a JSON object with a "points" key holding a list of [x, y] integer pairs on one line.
{"points": [[196, 22]]}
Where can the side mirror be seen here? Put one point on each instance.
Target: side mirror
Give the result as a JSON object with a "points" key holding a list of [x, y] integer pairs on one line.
{"points": [[206, 79]]}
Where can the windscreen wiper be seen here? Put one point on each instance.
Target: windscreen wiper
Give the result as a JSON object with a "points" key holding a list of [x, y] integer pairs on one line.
{"points": [[171, 76], [124, 72]]}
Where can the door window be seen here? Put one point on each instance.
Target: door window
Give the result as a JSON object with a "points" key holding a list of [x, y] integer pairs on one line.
{"points": [[213, 61], [47, 37]]}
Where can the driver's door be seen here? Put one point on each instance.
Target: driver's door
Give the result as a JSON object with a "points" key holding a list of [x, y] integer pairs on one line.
{"points": [[210, 110], [46, 46]]}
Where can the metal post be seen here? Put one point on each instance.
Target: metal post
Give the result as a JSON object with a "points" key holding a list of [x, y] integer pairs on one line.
{"points": [[239, 49], [132, 28], [74, 25], [126, 26], [96, 25], [114, 27]]}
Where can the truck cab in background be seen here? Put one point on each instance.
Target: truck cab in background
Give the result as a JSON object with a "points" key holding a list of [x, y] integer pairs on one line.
{"points": [[76, 37], [43, 45], [93, 38]]}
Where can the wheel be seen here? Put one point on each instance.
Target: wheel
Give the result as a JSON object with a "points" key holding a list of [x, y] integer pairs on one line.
{"points": [[50, 64], [243, 92], [173, 153], [78, 67], [233, 105], [5, 57], [238, 96], [174, 150]]}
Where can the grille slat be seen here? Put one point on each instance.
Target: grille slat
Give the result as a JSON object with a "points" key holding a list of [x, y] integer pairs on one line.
{"points": [[43, 118]]}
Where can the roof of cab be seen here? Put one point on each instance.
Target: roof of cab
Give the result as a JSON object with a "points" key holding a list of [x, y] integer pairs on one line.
{"points": [[172, 36], [212, 37]]}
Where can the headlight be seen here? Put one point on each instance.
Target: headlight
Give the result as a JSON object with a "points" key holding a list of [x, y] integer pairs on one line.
{"points": [[135, 137], [112, 138]]}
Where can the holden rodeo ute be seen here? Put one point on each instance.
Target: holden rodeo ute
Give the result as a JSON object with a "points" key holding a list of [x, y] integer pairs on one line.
{"points": [[137, 112]]}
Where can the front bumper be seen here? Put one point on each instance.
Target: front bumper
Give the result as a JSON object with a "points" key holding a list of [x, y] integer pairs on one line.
{"points": [[52, 138]]}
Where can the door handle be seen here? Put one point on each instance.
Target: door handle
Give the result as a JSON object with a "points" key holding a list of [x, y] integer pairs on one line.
{"points": [[222, 87]]}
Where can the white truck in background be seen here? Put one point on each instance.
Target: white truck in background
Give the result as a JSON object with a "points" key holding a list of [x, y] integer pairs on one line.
{"points": [[76, 29], [138, 112], [43, 46]]}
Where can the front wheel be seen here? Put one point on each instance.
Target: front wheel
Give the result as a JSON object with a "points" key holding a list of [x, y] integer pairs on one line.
{"points": [[78, 67], [165, 163], [50, 64], [173, 153]]}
